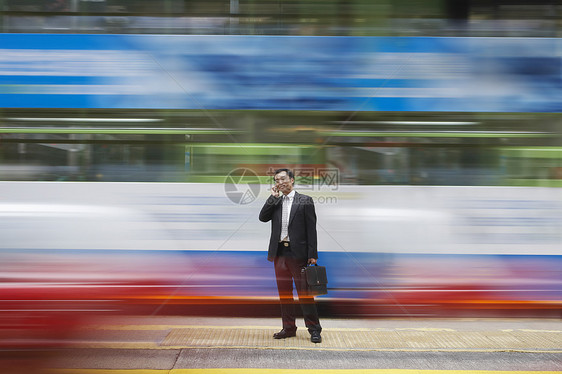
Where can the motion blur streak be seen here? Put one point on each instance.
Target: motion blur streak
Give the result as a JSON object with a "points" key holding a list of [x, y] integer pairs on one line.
{"points": [[381, 107], [71, 251]]}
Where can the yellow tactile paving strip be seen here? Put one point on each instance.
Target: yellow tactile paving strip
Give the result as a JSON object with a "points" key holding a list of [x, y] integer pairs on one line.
{"points": [[367, 339], [291, 371]]}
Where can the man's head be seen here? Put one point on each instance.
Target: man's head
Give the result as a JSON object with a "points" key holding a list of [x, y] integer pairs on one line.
{"points": [[284, 180]]}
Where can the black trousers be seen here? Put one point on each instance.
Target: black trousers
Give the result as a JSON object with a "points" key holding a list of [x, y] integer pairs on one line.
{"points": [[287, 271]]}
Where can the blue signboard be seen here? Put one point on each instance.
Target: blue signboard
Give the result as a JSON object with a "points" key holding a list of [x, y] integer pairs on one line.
{"points": [[281, 73]]}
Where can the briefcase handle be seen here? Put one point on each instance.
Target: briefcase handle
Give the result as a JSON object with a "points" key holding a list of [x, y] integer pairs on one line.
{"points": [[307, 265]]}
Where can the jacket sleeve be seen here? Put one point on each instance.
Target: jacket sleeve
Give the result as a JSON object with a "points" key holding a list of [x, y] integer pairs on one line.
{"points": [[311, 236], [266, 213]]}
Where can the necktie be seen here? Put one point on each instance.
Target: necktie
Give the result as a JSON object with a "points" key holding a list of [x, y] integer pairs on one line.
{"points": [[285, 219]]}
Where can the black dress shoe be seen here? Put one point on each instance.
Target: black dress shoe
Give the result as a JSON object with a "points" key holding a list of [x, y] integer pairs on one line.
{"points": [[284, 334], [315, 337]]}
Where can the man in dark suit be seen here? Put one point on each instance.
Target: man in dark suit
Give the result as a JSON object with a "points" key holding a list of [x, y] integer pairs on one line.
{"points": [[292, 246]]}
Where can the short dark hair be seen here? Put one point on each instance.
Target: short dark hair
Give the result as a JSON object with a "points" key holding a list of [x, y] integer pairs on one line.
{"points": [[289, 172]]}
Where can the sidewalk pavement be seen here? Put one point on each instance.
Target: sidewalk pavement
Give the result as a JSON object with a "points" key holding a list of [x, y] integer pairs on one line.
{"points": [[404, 334]]}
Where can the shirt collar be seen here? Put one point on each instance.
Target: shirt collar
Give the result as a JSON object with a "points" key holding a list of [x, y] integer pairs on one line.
{"points": [[291, 194]]}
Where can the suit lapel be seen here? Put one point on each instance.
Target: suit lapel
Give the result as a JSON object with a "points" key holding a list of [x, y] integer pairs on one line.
{"points": [[294, 207]]}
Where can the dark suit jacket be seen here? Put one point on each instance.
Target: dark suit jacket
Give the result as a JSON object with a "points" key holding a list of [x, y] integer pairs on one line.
{"points": [[302, 226]]}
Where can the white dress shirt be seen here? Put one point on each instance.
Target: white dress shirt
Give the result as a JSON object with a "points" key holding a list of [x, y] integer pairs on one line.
{"points": [[291, 197]]}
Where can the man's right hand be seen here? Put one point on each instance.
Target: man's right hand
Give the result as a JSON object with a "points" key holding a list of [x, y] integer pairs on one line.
{"points": [[274, 191]]}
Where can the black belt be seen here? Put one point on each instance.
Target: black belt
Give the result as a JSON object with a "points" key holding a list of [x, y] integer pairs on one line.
{"points": [[284, 249]]}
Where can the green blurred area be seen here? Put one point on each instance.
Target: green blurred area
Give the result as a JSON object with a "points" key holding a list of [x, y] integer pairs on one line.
{"points": [[367, 148], [540, 18]]}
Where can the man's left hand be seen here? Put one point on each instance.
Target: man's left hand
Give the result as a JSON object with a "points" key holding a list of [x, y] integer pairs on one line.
{"points": [[312, 261]]}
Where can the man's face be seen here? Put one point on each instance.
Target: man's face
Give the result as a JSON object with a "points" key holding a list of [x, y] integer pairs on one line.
{"points": [[283, 183]]}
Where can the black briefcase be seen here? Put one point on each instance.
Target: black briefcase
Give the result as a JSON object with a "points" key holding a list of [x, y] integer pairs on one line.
{"points": [[315, 279]]}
